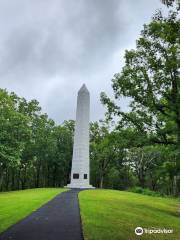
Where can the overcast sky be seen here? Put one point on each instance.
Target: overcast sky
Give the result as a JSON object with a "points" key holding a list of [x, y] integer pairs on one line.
{"points": [[49, 48]]}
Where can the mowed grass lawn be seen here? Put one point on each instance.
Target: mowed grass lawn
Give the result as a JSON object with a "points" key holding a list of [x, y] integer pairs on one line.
{"points": [[16, 205], [113, 215]]}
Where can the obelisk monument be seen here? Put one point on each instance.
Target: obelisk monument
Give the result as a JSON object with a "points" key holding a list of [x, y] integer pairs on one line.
{"points": [[80, 160]]}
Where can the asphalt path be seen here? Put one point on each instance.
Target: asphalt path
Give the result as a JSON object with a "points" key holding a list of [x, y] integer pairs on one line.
{"points": [[59, 219]]}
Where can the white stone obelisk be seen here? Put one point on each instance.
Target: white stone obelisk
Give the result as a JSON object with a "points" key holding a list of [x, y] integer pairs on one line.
{"points": [[80, 160]]}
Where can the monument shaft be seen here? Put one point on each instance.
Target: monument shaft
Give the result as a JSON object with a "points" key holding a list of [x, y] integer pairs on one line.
{"points": [[80, 159]]}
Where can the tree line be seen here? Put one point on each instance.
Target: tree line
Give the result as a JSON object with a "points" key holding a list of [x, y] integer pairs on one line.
{"points": [[139, 147], [34, 151]]}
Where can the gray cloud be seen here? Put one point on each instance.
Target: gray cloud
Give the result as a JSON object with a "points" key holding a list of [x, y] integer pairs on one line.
{"points": [[49, 48]]}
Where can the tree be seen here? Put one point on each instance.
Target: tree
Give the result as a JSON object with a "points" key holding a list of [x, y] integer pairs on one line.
{"points": [[144, 161], [99, 153], [14, 129], [107, 154], [169, 2], [63, 155], [150, 80]]}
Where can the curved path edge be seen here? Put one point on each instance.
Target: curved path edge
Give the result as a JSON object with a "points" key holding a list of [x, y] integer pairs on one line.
{"points": [[59, 219]]}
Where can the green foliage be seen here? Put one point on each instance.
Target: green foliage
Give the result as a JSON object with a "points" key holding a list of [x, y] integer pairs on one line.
{"points": [[145, 191], [107, 151], [34, 152], [150, 81]]}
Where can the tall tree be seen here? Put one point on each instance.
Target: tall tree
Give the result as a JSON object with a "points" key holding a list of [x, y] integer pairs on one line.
{"points": [[150, 80]]}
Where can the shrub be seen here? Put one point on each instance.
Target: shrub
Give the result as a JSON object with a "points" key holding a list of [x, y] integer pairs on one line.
{"points": [[145, 191]]}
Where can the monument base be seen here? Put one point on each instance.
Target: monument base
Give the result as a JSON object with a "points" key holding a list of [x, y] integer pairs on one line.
{"points": [[81, 186]]}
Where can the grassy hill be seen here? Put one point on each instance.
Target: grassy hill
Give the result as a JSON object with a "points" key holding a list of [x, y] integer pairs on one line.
{"points": [[16, 205], [106, 214], [114, 215]]}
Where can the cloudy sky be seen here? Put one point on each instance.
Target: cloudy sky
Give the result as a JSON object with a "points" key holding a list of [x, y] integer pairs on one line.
{"points": [[49, 48]]}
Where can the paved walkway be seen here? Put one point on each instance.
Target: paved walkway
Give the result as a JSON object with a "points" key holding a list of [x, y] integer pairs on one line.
{"points": [[59, 219]]}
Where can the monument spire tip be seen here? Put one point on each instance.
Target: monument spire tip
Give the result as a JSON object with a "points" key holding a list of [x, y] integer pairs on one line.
{"points": [[83, 88]]}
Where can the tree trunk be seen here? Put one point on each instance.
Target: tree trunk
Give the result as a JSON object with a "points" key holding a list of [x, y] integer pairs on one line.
{"points": [[54, 176], [141, 177], [175, 186], [1, 181], [12, 180], [37, 176], [7, 180], [101, 181]]}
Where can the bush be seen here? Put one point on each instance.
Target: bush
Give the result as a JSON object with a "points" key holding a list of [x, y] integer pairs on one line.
{"points": [[145, 191]]}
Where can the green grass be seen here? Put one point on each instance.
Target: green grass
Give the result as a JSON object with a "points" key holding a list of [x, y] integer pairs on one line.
{"points": [[113, 215], [16, 205]]}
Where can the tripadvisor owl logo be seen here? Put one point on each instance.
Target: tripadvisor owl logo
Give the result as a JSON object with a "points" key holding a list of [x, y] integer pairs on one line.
{"points": [[139, 231]]}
